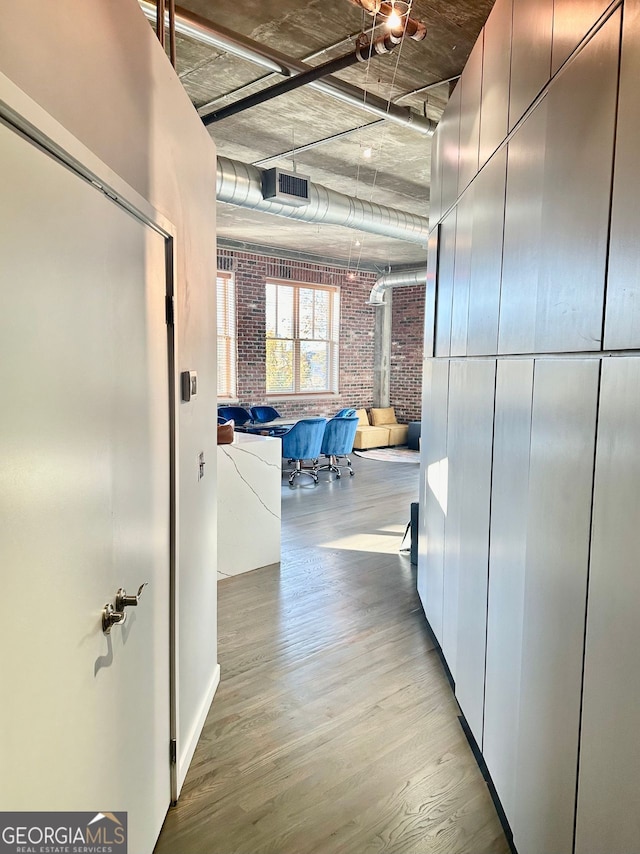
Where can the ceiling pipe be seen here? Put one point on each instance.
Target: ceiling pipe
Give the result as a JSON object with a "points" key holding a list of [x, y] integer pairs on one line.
{"points": [[225, 96], [241, 184], [364, 50], [400, 279], [426, 88], [172, 31], [160, 31], [217, 36], [316, 142], [353, 96]]}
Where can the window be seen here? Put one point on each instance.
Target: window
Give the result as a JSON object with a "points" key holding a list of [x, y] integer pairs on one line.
{"points": [[226, 335], [302, 338]]}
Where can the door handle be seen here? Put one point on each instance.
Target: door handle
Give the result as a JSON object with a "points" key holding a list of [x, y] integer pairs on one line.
{"points": [[116, 615], [111, 617], [123, 601]]}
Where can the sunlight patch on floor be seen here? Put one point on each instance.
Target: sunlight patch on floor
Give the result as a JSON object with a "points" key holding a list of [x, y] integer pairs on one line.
{"points": [[383, 540]]}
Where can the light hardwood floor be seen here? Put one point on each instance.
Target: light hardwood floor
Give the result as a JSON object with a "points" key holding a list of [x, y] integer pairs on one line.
{"points": [[334, 729]]}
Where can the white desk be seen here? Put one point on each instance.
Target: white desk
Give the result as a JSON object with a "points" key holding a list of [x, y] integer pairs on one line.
{"points": [[249, 483], [277, 422]]}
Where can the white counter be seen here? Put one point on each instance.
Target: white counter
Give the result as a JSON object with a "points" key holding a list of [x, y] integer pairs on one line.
{"points": [[249, 483]]}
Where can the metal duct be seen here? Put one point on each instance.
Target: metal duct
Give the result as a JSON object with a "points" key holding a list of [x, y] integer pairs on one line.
{"points": [[401, 279], [241, 184]]}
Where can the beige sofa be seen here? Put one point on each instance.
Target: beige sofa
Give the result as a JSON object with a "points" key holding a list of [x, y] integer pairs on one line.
{"points": [[379, 431], [368, 436], [387, 418]]}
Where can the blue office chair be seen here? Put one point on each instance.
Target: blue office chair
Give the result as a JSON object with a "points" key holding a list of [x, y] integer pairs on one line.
{"points": [[262, 414], [222, 419], [339, 435], [303, 442], [237, 414], [345, 413]]}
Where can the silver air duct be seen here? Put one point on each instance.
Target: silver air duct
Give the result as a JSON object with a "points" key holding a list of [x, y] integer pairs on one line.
{"points": [[403, 278], [241, 184]]}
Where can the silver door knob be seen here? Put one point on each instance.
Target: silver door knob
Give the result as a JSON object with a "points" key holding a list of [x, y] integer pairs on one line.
{"points": [[123, 601], [111, 617]]}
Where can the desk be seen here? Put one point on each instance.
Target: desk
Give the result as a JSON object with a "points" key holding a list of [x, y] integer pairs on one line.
{"points": [[277, 423]]}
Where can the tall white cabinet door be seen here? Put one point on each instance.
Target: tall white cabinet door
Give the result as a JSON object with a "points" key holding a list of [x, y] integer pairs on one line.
{"points": [[510, 490], [434, 484], [433, 263], [558, 526], [473, 498], [445, 284], [452, 531], [608, 815], [462, 274], [622, 316], [84, 498]]}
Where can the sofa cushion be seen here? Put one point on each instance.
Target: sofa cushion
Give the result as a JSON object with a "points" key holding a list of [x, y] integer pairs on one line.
{"points": [[383, 416], [363, 418], [397, 433], [371, 437]]}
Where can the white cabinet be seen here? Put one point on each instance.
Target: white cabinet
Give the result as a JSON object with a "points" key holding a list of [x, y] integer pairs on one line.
{"points": [[469, 440], [434, 484], [608, 816], [557, 542], [512, 439], [472, 457]]}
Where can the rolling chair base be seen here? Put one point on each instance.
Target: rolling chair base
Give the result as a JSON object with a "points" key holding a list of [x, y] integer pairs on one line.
{"points": [[334, 466], [298, 470]]}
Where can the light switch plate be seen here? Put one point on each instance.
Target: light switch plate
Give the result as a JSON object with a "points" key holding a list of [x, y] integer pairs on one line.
{"points": [[189, 385]]}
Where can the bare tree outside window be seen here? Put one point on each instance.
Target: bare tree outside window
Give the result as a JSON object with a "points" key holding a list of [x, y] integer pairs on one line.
{"points": [[302, 323]]}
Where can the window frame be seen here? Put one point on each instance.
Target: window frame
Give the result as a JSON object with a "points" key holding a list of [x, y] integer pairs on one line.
{"points": [[333, 341], [228, 339]]}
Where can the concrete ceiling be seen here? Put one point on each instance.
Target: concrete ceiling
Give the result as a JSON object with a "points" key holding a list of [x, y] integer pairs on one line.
{"points": [[397, 173]]}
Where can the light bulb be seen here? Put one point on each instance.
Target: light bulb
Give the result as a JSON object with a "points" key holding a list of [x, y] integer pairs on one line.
{"points": [[394, 21], [367, 153]]}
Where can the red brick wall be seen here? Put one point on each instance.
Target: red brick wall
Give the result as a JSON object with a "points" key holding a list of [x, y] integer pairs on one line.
{"points": [[406, 352], [356, 330]]}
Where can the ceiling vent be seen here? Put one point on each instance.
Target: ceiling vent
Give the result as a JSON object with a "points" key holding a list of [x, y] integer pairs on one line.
{"points": [[288, 187]]}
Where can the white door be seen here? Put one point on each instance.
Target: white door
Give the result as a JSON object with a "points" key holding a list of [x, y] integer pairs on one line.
{"points": [[84, 498]]}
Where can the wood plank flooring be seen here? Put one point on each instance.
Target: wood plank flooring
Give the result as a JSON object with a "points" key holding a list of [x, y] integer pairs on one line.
{"points": [[334, 729]]}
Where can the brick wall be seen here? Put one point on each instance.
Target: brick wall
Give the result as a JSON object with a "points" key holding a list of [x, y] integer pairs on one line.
{"points": [[356, 330], [406, 352]]}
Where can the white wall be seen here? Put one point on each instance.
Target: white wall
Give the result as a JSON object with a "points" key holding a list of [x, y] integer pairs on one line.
{"points": [[98, 69]]}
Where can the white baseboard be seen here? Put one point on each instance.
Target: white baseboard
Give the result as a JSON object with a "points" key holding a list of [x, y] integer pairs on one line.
{"points": [[187, 750]]}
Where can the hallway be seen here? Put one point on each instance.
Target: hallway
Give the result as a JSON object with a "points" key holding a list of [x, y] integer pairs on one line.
{"points": [[334, 730]]}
